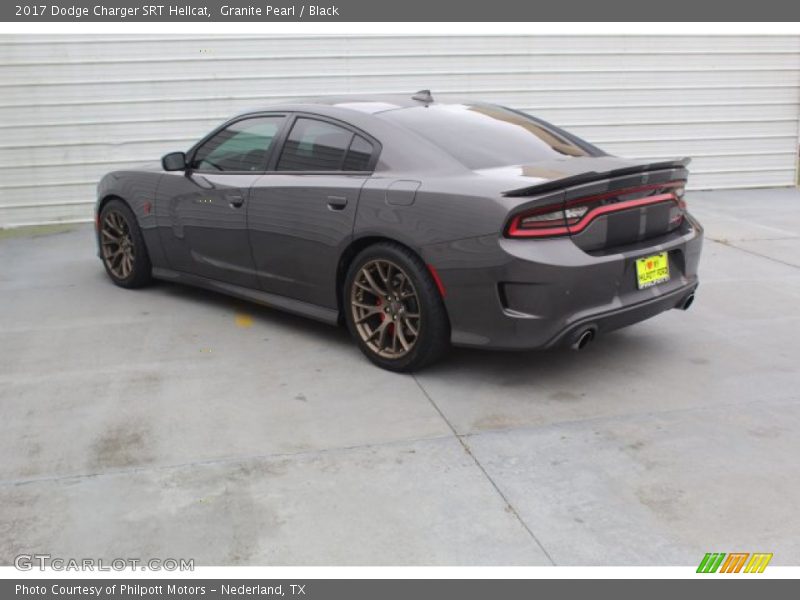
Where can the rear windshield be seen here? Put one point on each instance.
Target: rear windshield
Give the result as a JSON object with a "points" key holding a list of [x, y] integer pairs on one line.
{"points": [[485, 136]]}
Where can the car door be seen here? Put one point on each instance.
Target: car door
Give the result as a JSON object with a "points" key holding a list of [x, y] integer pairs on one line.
{"points": [[205, 208], [301, 213]]}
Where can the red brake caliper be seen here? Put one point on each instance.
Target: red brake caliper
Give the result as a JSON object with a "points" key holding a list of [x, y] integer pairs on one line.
{"points": [[379, 302], [390, 327]]}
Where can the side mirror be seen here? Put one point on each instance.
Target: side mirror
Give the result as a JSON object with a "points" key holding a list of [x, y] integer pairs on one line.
{"points": [[174, 161]]}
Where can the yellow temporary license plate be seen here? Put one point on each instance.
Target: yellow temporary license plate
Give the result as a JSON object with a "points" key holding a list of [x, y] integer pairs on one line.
{"points": [[651, 270]]}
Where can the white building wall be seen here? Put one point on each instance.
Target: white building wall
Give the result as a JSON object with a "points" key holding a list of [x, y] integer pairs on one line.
{"points": [[74, 107]]}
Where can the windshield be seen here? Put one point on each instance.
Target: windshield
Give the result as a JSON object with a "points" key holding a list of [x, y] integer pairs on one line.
{"points": [[486, 136]]}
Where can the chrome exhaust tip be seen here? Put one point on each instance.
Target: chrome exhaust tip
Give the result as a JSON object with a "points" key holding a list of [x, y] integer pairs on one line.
{"points": [[583, 339], [687, 302]]}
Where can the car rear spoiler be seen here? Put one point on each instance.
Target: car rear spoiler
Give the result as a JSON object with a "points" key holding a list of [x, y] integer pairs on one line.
{"points": [[590, 176]]}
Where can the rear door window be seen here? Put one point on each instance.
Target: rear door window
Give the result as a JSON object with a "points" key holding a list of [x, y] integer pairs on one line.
{"points": [[314, 145]]}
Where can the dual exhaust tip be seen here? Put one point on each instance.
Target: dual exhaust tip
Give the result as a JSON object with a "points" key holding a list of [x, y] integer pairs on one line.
{"points": [[584, 337]]}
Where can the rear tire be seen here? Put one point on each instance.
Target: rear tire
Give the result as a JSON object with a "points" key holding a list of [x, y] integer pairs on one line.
{"points": [[393, 309], [122, 246]]}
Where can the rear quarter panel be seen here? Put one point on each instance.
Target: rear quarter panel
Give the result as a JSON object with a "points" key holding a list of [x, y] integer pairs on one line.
{"points": [[440, 210]]}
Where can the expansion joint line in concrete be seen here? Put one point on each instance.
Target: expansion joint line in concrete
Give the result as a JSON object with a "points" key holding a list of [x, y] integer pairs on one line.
{"points": [[462, 440]]}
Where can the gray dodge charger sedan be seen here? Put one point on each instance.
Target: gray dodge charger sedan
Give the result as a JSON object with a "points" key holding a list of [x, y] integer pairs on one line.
{"points": [[418, 223]]}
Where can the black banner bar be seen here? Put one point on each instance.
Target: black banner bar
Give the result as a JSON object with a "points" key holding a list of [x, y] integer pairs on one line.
{"points": [[730, 588], [398, 10]]}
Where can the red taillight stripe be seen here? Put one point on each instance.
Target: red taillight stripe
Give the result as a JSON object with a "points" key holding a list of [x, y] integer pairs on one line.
{"points": [[625, 192], [617, 207], [515, 229]]}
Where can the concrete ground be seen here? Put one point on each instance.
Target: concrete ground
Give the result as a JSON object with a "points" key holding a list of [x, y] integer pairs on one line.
{"points": [[172, 422]]}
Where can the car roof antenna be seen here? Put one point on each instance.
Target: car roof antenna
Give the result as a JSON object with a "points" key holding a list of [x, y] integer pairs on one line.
{"points": [[423, 96]]}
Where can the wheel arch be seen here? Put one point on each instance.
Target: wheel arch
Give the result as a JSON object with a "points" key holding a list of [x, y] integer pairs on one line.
{"points": [[108, 198], [349, 254], [149, 232], [140, 265]]}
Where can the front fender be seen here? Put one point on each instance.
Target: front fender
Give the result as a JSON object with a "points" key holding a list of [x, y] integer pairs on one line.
{"points": [[139, 190]]}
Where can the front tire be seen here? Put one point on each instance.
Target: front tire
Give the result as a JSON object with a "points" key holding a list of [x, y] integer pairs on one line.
{"points": [[393, 309], [122, 246]]}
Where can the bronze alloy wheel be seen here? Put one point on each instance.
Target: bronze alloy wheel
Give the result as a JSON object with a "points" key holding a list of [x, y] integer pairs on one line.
{"points": [[385, 308], [117, 244]]}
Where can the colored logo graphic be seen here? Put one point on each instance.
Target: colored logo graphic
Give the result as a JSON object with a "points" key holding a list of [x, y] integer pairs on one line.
{"points": [[734, 562]]}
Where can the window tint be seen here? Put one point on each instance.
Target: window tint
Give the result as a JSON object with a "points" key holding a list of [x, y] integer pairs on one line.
{"points": [[358, 156], [314, 146], [242, 146], [482, 137]]}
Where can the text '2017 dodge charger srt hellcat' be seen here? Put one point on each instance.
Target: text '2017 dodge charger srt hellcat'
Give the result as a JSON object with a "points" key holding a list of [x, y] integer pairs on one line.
{"points": [[420, 224]]}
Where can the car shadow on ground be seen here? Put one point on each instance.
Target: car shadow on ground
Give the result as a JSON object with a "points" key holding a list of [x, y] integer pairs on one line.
{"points": [[557, 366], [507, 367], [264, 315]]}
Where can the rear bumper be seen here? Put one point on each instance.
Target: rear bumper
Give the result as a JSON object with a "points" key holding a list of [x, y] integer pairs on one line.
{"points": [[628, 315], [529, 294]]}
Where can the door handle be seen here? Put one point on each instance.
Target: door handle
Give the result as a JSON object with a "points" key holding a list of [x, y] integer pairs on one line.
{"points": [[235, 200], [337, 202]]}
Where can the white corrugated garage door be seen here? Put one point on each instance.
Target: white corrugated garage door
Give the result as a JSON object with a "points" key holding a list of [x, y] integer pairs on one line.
{"points": [[74, 107]]}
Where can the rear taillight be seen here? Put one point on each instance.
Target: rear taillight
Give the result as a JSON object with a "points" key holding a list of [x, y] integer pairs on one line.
{"points": [[574, 216]]}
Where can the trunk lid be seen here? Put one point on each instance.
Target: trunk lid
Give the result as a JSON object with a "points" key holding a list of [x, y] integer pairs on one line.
{"points": [[604, 202]]}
